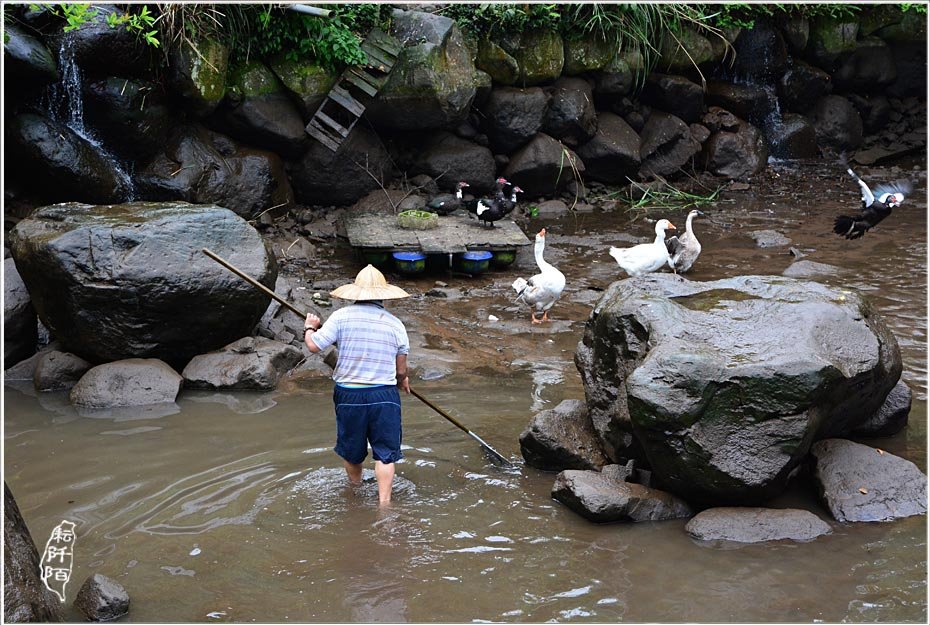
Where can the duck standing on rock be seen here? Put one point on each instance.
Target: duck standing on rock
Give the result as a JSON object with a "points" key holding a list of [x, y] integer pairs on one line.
{"points": [[645, 257], [447, 203], [543, 290], [498, 207], [684, 250], [875, 207], [471, 204]]}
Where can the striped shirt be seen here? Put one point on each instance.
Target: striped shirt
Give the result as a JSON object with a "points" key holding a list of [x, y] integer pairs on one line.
{"points": [[369, 339]]}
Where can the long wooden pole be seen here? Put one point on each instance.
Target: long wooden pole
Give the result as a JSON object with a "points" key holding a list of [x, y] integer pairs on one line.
{"points": [[302, 314]]}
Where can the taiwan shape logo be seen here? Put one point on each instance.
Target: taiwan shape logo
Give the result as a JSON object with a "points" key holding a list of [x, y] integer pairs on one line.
{"points": [[58, 559]]}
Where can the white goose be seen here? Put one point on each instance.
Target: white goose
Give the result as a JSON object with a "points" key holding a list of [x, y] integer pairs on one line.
{"points": [[544, 289], [646, 257], [686, 249]]}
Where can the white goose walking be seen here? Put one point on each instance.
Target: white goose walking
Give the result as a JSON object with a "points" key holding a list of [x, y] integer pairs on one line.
{"points": [[544, 289], [646, 257]]}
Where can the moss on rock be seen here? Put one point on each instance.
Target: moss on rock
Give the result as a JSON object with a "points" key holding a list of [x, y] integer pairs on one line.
{"points": [[587, 54]]}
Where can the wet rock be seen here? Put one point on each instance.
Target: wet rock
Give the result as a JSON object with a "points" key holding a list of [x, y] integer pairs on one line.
{"points": [[260, 112], [802, 85], [604, 498], [552, 208], [308, 82], [761, 53], [744, 101], [450, 159], [562, 438], [831, 40], [539, 53], [19, 317], [198, 74], [58, 164], [433, 82], [613, 82], [769, 238], [612, 155], [837, 123], [793, 138], [674, 94], [700, 132], [252, 363], [130, 382], [756, 525], [875, 111], [101, 50], [25, 597], [891, 418], [543, 166], [796, 31], [737, 154], [494, 60], [25, 58], [587, 54], [666, 145], [73, 257], [868, 69], [205, 167], [858, 483], [102, 599], [571, 117], [809, 269], [129, 115], [428, 374], [321, 179], [681, 53], [513, 116], [58, 371], [727, 410]]}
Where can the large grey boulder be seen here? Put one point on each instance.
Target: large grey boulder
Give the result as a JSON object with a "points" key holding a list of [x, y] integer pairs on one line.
{"points": [[760, 53], [306, 81], [25, 597], [605, 496], [674, 94], [25, 58], [540, 54], [615, 80], [20, 325], [793, 137], [861, 483], [725, 384], [736, 155], [450, 159], [251, 363], [562, 438], [543, 166], [131, 116], [130, 382], [173, 301], [59, 164], [666, 145], [197, 73], [433, 82], [513, 116], [875, 111], [745, 101], [756, 525], [587, 54], [801, 85], [102, 599], [892, 417], [837, 122], [259, 111], [205, 167], [58, 371], [612, 155], [831, 40], [321, 178], [103, 50], [497, 63], [869, 69], [571, 117]]}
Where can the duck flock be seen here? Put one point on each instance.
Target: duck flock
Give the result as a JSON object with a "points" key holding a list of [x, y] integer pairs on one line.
{"points": [[543, 290]]}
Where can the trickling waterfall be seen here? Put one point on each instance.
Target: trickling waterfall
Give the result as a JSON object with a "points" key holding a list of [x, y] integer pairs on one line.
{"points": [[66, 105]]}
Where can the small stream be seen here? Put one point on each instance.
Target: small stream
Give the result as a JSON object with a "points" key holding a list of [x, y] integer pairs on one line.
{"points": [[232, 506]]}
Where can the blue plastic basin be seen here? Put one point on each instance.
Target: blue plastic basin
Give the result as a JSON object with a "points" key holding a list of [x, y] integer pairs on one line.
{"points": [[409, 262], [472, 262]]}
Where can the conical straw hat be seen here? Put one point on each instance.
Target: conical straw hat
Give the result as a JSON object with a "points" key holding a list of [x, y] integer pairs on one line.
{"points": [[369, 284]]}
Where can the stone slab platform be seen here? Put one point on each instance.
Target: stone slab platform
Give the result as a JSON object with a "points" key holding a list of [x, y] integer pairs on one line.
{"points": [[456, 233]]}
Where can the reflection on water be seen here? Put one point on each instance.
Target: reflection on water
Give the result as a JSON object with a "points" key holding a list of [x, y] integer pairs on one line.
{"points": [[233, 507]]}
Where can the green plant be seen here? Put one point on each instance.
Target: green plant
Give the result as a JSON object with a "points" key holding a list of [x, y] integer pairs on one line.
{"points": [[76, 15], [140, 23], [661, 195], [917, 8]]}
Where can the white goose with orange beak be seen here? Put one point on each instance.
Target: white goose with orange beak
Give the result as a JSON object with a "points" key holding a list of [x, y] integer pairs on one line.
{"points": [[543, 290], [646, 257]]}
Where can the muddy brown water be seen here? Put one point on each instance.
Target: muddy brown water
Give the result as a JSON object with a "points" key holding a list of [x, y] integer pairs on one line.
{"points": [[234, 508]]}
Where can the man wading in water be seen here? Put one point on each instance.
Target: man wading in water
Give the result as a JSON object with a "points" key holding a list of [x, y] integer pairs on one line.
{"points": [[372, 363]]}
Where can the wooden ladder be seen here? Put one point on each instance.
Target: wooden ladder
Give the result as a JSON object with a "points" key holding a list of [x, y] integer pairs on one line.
{"points": [[341, 108]]}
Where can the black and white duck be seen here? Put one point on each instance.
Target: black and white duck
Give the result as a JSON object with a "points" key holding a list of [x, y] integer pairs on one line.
{"points": [[471, 204], [875, 206], [495, 209], [447, 203], [684, 250], [543, 290]]}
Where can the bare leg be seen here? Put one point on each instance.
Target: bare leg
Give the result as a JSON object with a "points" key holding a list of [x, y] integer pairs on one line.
{"points": [[533, 315], [354, 471], [545, 316], [385, 474]]}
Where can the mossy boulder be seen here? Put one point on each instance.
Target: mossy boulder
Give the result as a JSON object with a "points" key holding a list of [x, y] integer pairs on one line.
{"points": [[199, 75], [681, 55], [725, 411], [911, 28], [540, 54], [587, 54], [494, 60], [831, 40], [305, 79]]}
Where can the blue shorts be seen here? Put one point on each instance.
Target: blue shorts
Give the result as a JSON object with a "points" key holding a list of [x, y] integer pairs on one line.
{"points": [[368, 416]]}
